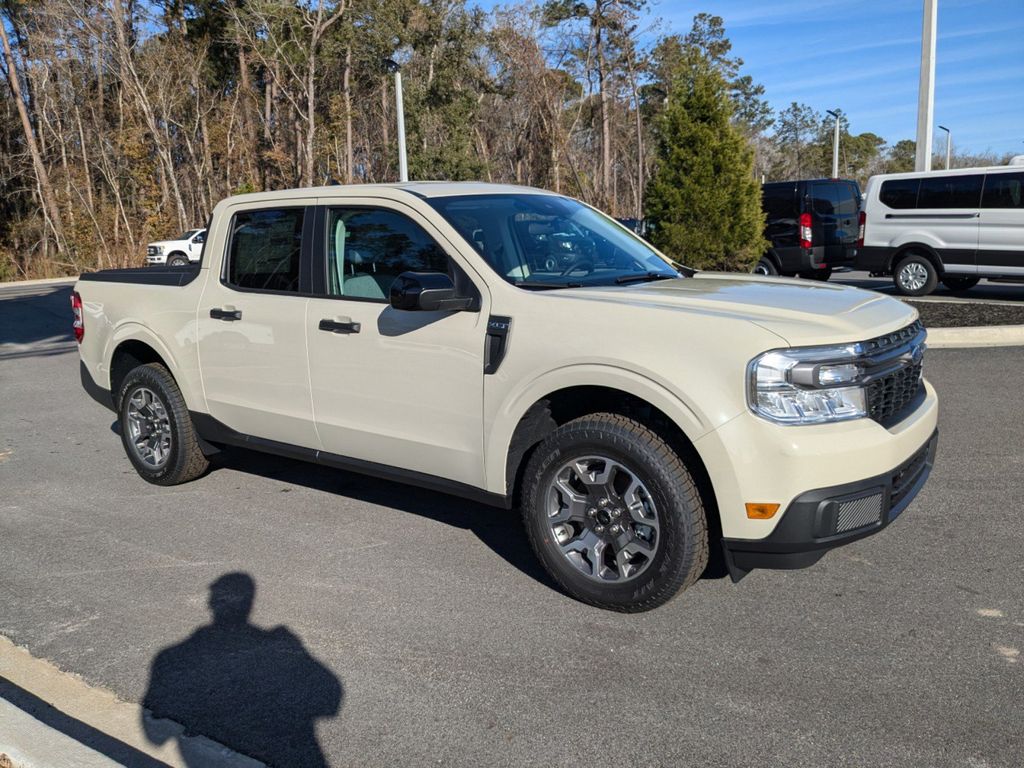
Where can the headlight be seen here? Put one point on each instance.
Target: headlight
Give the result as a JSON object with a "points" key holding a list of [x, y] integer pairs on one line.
{"points": [[807, 386]]}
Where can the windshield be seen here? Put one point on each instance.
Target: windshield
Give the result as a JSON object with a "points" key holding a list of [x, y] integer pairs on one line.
{"points": [[548, 241], [188, 234]]}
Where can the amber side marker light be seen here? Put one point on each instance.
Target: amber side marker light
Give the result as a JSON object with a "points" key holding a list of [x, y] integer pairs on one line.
{"points": [[762, 511]]}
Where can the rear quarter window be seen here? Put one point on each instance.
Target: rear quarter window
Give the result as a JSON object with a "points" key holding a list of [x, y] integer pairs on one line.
{"points": [[899, 193], [778, 202], [1004, 190]]}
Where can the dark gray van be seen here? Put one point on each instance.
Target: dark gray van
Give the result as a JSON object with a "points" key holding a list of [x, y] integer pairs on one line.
{"points": [[811, 226]]}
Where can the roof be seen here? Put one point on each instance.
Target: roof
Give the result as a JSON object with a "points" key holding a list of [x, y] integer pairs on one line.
{"points": [[422, 189]]}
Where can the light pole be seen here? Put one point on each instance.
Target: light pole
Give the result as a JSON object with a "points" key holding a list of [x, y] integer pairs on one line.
{"points": [[835, 145], [403, 163], [949, 143], [926, 88]]}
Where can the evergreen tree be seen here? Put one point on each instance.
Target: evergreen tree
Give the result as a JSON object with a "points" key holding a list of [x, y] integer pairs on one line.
{"points": [[703, 199]]}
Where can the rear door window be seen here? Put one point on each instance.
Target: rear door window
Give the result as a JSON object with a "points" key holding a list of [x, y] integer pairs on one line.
{"points": [[1004, 190], [265, 250], [826, 199], [899, 193], [950, 192]]}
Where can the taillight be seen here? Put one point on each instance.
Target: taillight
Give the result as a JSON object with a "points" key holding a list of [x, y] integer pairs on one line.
{"points": [[79, 324], [862, 221], [805, 230]]}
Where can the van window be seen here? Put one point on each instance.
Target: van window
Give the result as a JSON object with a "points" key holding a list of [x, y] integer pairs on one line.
{"points": [[778, 202], [899, 193], [265, 249], [950, 192], [1003, 190]]}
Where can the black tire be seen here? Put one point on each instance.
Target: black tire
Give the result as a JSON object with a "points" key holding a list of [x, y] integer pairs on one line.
{"points": [[177, 260], [915, 275], [184, 458], [682, 538], [958, 283], [766, 267], [820, 275]]}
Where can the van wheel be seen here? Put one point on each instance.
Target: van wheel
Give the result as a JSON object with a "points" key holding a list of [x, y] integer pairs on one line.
{"points": [[613, 514], [955, 283], [766, 267], [915, 275], [177, 260], [156, 428]]}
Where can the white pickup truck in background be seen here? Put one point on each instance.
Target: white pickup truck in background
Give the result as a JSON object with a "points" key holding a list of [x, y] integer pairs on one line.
{"points": [[179, 252]]}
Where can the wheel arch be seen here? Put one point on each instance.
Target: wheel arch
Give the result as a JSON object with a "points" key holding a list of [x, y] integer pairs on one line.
{"points": [[172, 254], [559, 406], [916, 247]]}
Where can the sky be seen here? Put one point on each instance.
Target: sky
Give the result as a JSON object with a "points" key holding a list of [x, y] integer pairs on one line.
{"points": [[863, 56]]}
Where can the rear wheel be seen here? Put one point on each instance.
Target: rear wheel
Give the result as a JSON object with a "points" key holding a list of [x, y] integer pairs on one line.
{"points": [[156, 428], [613, 514], [915, 275], [766, 267], [957, 283], [177, 260]]}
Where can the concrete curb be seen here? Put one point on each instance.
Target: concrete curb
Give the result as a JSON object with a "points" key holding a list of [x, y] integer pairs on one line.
{"points": [[980, 336], [52, 718]]}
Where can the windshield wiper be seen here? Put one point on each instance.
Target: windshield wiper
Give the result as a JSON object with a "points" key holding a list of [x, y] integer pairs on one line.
{"points": [[535, 285], [646, 277]]}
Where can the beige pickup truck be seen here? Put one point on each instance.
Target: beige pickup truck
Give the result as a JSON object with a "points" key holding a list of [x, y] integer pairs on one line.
{"points": [[522, 349]]}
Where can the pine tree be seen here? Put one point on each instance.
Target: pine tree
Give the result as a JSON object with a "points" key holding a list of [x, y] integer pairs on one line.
{"points": [[703, 200]]}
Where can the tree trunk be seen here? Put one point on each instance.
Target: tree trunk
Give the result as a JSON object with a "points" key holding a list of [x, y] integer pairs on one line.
{"points": [[42, 177]]}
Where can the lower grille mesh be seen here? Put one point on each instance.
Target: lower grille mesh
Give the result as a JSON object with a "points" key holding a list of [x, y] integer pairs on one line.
{"points": [[857, 513]]}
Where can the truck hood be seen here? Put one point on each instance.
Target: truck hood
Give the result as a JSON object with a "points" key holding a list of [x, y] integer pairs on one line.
{"points": [[801, 312]]}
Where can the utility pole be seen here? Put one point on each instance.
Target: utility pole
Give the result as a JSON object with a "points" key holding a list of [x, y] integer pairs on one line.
{"points": [[949, 143], [835, 144], [403, 163], [926, 89]]}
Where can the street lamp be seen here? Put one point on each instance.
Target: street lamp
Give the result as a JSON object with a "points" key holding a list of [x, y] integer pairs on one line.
{"points": [[949, 143], [926, 88], [390, 65], [835, 145]]}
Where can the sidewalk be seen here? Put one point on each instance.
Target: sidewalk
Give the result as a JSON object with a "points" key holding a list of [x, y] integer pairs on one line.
{"points": [[51, 719]]}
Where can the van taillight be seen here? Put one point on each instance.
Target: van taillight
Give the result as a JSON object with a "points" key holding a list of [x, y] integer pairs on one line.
{"points": [[805, 230], [79, 324], [862, 221]]}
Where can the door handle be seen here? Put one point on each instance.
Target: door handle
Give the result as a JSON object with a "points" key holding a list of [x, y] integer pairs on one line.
{"points": [[228, 313], [341, 325]]}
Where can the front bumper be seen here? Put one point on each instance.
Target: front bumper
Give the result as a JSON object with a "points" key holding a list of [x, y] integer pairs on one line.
{"points": [[826, 518]]}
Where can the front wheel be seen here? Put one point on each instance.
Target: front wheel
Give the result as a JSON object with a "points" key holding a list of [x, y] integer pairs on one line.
{"points": [[955, 283], [177, 260], [915, 275], [613, 514], [156, 428]]}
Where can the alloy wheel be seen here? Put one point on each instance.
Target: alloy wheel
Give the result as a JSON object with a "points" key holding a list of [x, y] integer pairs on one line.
{"points": [[149, 427], [603, 519]]}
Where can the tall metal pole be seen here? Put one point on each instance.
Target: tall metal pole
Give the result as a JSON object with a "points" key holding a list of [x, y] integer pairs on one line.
{"points": [[835, 145], [926, 89], [403, 162], [949, 143]]}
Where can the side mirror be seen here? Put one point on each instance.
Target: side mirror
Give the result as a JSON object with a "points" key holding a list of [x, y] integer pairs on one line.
{"points": [[427, 292]]}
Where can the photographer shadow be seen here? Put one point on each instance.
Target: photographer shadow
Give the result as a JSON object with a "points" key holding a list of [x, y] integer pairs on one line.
{"points": [[258, 691]]}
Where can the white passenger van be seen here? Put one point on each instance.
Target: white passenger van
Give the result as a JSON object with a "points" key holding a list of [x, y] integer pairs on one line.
{"points": [[955, 226]]}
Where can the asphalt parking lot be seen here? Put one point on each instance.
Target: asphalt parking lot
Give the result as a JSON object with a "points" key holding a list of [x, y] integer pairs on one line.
{"points": [[415, 629]]}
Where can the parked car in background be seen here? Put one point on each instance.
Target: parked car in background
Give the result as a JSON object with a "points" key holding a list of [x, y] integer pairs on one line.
{"points": [[811, 227], [178, 252], [519, 348], [950, 226]]}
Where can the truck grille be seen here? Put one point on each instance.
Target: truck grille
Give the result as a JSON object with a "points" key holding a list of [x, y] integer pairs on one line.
{"points": [[900, 357]]}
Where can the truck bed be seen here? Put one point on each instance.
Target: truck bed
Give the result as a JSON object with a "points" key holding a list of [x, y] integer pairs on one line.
{"points": [[177, 276]]}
